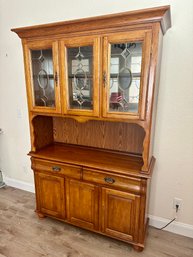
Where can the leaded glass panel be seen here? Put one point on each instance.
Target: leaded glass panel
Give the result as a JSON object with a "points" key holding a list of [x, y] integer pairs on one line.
{"points": [[43, 77], [80, 77], [125, 74]]}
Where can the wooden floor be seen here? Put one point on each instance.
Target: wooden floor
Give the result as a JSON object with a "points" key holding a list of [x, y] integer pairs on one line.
{"points": [[22, 234]]}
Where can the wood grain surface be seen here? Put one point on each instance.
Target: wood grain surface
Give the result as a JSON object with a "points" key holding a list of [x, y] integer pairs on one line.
{"points": [[43, 131], [89, 157], [115, 152], [159, 14], [102, 134]]}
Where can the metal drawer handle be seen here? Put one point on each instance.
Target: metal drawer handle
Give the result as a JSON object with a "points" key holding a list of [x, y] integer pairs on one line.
{"points": [[55, 168], [109, 180]]}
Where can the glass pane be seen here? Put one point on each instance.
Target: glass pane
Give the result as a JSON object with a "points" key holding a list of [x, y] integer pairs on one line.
{"points": [[125, 73], [43, 77], [80, 77]]}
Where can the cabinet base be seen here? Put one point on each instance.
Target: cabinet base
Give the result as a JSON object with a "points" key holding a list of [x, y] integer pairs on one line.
{"points": [[40, 215], [138, 248]]}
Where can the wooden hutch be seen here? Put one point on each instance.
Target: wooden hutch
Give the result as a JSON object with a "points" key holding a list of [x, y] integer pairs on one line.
{"points": [[92, 89]]}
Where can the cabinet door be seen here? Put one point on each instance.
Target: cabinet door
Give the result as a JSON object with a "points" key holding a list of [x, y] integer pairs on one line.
{"points": [[80, 75], [50, 195], [126, 66], [82, 204], [41, 66], [120, 214]]}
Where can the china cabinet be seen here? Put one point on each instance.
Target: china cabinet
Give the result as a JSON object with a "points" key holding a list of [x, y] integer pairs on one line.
{"points": [[92, 89]]}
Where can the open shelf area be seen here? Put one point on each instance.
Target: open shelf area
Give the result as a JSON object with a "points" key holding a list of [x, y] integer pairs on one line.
{"points": [[98, 134]]}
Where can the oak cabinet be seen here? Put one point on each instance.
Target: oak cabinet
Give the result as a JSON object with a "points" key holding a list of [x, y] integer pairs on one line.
{"points": [[109, 205], [50, 195], [41, 60], [120, 214], [92, 87], [80, 75], [82, 204], [126, 60], [76, 76]]}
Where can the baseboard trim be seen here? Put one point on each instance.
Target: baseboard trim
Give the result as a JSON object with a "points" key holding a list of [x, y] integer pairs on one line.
{"points": [[175, 227], [19, 184], [154, 221]]}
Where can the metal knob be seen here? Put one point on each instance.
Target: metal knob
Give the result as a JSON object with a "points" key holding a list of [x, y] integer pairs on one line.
{"points": [[55, 168], [109, 180]]}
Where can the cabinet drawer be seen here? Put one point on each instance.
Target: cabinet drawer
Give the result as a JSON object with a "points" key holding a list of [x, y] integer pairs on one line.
{"points": [[57, 168], [109, 179]]}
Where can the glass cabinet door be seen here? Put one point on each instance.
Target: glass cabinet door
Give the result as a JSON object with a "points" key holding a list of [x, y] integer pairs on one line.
{"points": [[126, 64], [80, 69], [43, 73]]}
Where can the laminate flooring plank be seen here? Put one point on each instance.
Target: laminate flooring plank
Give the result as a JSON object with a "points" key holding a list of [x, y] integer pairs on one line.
{"points": [[23, 234]]}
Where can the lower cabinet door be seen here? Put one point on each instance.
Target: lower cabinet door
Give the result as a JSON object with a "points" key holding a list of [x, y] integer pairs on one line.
{"points": [[82, 204], [50, 194], [120, 214]]}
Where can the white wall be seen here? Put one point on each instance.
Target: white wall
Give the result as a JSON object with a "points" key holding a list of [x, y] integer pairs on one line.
{"points": [[173, 175]]}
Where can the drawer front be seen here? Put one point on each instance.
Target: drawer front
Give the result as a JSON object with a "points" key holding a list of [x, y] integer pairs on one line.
{"points": [[57, 168], [109, 179]]}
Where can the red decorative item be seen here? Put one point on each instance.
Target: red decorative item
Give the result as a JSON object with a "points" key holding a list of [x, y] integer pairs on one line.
{"points": [[116, 97]]}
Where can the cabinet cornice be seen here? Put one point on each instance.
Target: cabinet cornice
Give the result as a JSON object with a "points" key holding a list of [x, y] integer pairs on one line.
{"points": [[144, 16]]}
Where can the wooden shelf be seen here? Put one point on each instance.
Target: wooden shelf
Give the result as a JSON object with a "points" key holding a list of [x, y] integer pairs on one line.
{"points": [[121, 163]]}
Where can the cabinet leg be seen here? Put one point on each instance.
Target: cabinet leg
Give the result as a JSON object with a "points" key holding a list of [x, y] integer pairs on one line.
{"points": [[138, 248], [40, 215]]}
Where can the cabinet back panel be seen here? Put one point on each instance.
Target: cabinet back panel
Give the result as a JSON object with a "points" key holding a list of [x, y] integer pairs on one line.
{"points": [[102, 134]]}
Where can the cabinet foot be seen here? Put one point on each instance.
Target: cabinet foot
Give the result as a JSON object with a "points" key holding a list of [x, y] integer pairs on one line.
{"points": [[138, 248], [40, 215]]}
